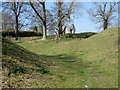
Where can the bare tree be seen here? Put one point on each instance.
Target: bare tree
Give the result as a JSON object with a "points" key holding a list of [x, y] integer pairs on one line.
{"points": [[7, 21], [64, 12], [61, 16], [50, 22], [58, 20], [103, 13], [41, 4], [16, 8]]}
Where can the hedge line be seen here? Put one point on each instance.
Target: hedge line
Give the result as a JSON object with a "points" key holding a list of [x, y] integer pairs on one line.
{"points": [[32, 33], [21, 33], [78, 35]]}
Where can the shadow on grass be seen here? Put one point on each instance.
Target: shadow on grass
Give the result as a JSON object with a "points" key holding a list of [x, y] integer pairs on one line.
{"points": [[67, 61], [29, 58], [13, 53]]}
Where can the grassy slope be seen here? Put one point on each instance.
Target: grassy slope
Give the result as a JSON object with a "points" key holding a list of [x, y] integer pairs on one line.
{"points": [[14, 55], [73, 62]]}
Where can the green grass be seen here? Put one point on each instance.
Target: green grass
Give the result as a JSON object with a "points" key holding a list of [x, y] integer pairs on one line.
{"points": [[70, 63]]}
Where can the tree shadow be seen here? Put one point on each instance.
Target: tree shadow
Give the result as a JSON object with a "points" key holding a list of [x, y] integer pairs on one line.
{"points": [[67, 61], [29, 58], [13, 53]]}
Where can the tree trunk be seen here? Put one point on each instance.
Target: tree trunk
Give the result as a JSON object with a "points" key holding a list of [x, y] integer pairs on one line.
{"points": [[58, 22], [44, 23], [58, 29], [105, 24], [60, 32], [16, 27], [44, 31]]}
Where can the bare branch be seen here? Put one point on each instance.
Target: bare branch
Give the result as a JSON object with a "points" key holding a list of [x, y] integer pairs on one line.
{"points": [[31, 4], [15, 10], [20, 8], [69, 11], [101, 14], [17, 5]]}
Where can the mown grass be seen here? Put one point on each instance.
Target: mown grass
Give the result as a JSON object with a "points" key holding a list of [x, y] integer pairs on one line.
{"points": [[71, 63]]}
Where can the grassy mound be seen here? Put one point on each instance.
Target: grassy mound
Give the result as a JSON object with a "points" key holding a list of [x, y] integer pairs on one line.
{"points": [[73, 62], [17, 60]]}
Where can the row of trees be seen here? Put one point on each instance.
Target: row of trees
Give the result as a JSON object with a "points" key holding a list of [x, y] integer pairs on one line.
{"points": [[53, 19]]}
